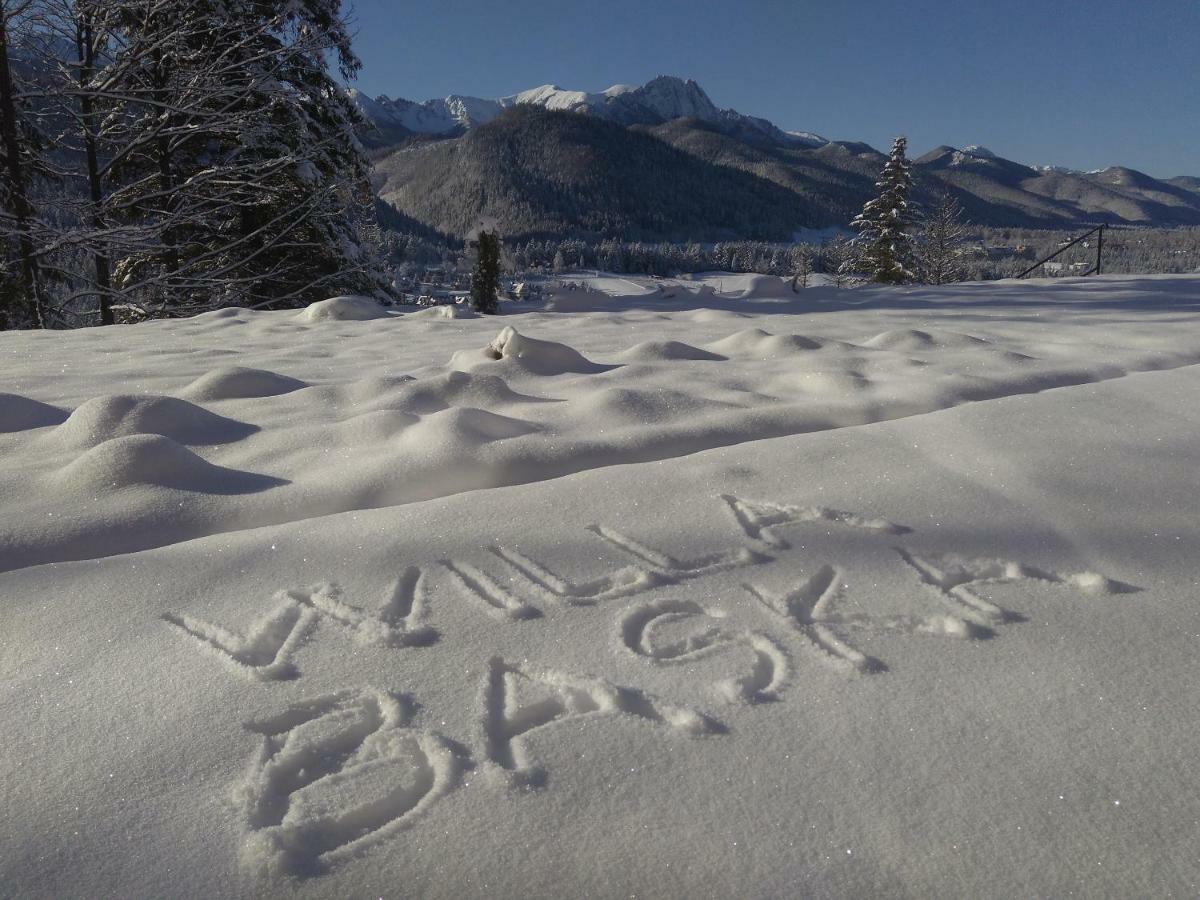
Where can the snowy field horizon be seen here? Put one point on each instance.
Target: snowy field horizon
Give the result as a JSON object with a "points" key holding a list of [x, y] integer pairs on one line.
{"points": [[690, 586]]}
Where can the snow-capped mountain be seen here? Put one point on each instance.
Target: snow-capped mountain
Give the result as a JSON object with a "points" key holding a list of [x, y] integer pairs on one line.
{"points": [[431, 117], [1060, 170], [978, 152], [735, 174], [660, 100], [971, 157]]}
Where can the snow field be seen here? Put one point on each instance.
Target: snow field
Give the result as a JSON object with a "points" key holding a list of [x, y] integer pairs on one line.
{"points": [[325, 432], [700, 594]]}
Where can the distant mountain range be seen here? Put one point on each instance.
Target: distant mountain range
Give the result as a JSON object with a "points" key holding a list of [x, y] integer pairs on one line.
{"points": [[663, 162], [660, 100]]}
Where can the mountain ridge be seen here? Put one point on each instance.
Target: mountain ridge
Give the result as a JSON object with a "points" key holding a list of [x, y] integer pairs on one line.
{"points": [[659, 100], [829, 178]]}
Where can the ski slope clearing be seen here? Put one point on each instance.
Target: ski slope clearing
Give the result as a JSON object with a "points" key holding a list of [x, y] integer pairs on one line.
{"points": [[695, 589]]}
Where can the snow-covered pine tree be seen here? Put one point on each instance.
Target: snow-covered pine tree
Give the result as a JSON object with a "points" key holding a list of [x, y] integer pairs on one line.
{"points": [[883, 243], [235, 161], [326, 177], [938, 246], [485, 277]]}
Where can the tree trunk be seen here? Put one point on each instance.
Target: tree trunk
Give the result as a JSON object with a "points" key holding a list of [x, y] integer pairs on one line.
{"points": [[85, 43], [22, 208]]}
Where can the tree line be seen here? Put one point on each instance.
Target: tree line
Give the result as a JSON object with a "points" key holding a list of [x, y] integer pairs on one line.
{"points": [[164, 157]]}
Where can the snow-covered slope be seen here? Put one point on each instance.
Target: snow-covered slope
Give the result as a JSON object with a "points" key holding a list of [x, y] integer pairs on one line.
{"points": [[974, 158], [702, 588], [979, 152], [808, 138]]}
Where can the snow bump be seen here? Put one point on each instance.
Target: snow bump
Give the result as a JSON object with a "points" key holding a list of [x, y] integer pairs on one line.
{"points": [[538, 357], [235, 382], [120, 415], [343, 309], [151, 459], [19, 413], [665, 351]]}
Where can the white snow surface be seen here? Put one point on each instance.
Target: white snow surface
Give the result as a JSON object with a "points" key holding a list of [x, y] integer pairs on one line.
{"points": [[694, 587]]}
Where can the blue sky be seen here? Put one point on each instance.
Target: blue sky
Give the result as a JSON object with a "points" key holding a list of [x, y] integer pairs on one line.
{"points": [[1084, 84]]}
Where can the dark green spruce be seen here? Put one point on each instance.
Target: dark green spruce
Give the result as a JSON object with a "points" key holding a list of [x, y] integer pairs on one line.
{"points": [[485, 279]]}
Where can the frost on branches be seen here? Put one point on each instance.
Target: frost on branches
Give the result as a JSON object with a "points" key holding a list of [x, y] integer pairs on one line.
{"points": [[885, 249], [204, 154], [939, 244]]}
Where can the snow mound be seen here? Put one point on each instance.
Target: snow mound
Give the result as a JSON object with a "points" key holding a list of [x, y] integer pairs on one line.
{"points": [[656, 351], [538, 357], [750, 286], [756, 342], [233, 382], [910, 339], [19, 413], [445, 311], [457, 388], [842, 383], [343, 309], [103, 418], [151, 459], [373, 427], [226, 315], [627, 406], [461, 428], [372, 392], [766, 286]]}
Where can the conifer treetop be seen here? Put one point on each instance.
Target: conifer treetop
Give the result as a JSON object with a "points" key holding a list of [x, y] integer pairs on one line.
{"points": [[884, 242]]}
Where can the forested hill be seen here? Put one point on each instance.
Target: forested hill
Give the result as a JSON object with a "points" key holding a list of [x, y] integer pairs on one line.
{"points": [[543, 173], [578, 174]]}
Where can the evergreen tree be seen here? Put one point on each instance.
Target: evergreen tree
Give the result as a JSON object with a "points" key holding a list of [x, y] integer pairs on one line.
{"points": [[485, 279], [884, 244], [938, 246], [322, 173], [234, 163]]}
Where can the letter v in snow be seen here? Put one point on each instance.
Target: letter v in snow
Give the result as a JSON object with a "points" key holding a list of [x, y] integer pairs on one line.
{"points": [[264, 651]]}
